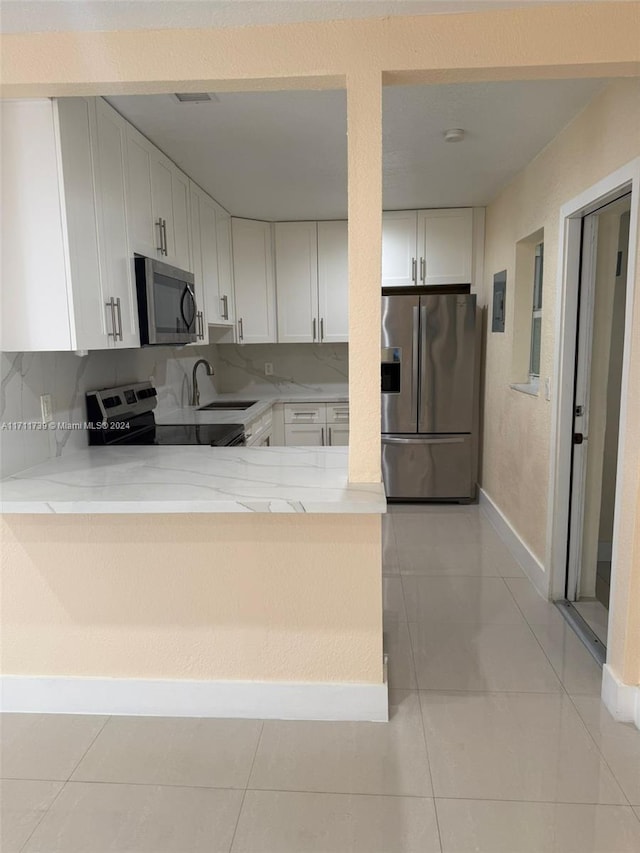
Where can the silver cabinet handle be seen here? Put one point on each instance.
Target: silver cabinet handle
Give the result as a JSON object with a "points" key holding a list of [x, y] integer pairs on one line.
{"points": [[119, 314], [160, 248], [321, 328], [423, 269], [322, 431], [314, 328], [225, 307], [114, 330], [164, 231], [414, 270], [330, 437], [240, 330]]}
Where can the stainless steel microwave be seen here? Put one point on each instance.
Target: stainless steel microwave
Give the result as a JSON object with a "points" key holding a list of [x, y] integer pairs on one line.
{"points": [[167, 307]]}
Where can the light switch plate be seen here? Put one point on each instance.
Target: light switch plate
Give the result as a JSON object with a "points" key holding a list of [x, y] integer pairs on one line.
{"points": [[547, 388]]}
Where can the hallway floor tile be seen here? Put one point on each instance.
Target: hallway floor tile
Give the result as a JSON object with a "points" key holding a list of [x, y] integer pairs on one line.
{"points": [[497, 743]]}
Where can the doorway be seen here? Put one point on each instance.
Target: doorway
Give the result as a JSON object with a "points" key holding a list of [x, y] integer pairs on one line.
{"points": [[598, 373]]}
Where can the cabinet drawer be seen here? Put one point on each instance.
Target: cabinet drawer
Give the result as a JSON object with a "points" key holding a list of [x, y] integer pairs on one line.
{"points": [[304, 435], [304, 413], [337, 413]]}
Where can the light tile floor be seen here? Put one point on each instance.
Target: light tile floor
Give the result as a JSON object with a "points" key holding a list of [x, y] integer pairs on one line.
{"points": [[497, 742]]}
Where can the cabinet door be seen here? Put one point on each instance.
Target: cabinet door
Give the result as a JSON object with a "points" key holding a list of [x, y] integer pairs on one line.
{"points": [[226, 307], [162, 195], [304, 435], [338, 435], [181, 256], [445, 245], [196, 204], [116, 262], [333, 282], [254, 281], [76, 117], [144, 236], [399, 248], [296, 245], [209, 249]]}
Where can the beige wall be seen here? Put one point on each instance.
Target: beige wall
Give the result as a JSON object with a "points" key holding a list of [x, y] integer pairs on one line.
{"points": [[595, 39], [604, 137], [274, 598]]}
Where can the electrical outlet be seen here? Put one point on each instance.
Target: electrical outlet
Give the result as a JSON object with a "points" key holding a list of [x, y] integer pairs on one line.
{"points": [[268, 368], [46, 408]]}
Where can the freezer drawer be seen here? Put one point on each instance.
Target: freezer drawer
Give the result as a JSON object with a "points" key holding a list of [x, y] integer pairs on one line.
{"points": [[436, 467]]}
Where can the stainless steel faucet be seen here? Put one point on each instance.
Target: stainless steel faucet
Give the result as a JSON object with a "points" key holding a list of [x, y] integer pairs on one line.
{"points": [[195, 393]]}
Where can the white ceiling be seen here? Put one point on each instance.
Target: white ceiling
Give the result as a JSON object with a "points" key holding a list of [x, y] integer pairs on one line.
{"points": [[283, 155], [63, 15]]}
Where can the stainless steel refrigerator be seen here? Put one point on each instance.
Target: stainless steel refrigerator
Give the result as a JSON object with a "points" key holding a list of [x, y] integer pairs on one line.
{"points": [[429, 396]]}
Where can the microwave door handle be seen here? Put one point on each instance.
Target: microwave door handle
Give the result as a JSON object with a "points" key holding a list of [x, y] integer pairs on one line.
{"points": [[188, 290]]}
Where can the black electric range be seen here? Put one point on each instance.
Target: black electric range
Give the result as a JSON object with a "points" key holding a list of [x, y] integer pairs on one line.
{"points": [[124, 416]]}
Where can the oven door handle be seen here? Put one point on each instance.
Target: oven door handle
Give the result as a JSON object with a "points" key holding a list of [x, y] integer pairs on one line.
{"points": [[188, 323]]}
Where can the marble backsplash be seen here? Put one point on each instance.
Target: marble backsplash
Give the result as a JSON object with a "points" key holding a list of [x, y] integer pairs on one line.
{"points": [[296, 367], [24, 377]]}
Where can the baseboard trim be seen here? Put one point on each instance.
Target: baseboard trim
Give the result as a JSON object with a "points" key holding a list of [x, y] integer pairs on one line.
{"points": [[622, 700], [182, 698], [531, 565]]}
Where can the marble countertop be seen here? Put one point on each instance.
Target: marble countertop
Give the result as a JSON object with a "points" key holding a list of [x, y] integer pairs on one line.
{"points": [[265, 399], [192, 479]]}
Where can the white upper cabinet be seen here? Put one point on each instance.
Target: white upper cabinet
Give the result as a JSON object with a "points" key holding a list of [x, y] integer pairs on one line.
{"points": [[427, 247], [226, 306], [296, 245], [312, 282], [333, 281], [181, 257], [445, 246], [399, 248], [118, 285], [157, 203], [255, 295], [66, 267]]}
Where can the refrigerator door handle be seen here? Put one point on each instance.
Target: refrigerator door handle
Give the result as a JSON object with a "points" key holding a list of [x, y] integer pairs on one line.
{"points": [[414, 365], [424, 396], [456, 439]]}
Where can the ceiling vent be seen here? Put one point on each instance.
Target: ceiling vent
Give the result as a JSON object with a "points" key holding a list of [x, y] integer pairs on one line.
{"points": [[195, 97]]}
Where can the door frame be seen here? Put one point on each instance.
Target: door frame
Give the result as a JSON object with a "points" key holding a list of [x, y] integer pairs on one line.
{"points": [[627, 178]]}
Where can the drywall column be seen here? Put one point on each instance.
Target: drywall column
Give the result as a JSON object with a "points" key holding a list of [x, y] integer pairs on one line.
{"points": [[364, 127]]}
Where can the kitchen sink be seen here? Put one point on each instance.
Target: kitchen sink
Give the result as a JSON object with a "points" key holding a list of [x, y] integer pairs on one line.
{"points": [[228, 406]]}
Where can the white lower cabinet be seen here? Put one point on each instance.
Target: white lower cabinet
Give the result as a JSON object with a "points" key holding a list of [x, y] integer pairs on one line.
{"points": [[316, 424], [304, 435], [258, 432], [338, 435]]}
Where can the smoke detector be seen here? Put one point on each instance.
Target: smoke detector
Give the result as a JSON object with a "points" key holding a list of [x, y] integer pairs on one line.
{"points": [[454, 134], [195, 97]]}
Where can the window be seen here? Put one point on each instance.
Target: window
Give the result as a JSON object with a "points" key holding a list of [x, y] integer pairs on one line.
{"points": [[526, 334], [536, 316]]}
